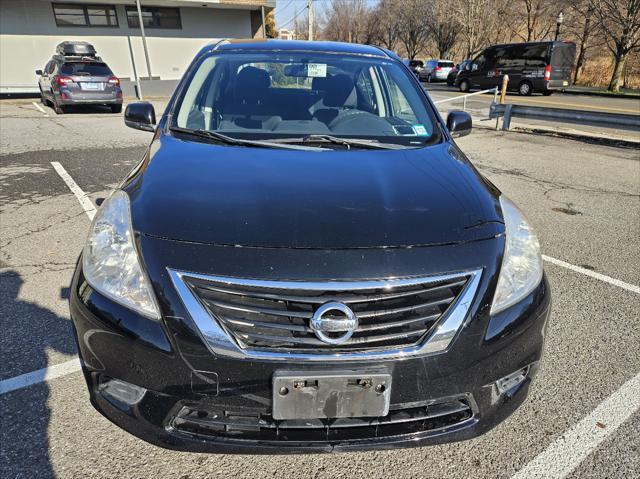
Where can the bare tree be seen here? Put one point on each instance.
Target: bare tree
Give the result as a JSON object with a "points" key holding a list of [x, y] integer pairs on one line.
{"points": [[413, 31], [350, 21], [301, 26], [620, 24], [443, 27], [478, 18], [540, 18], [387, 24], [582, 27]]}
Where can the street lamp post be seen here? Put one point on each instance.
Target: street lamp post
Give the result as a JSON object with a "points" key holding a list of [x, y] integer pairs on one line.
{"points": [[144, 38], [559, 21]]}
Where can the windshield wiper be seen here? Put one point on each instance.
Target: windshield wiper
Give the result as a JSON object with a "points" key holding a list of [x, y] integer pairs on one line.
{"points": [[229, 140], [347, 142]]}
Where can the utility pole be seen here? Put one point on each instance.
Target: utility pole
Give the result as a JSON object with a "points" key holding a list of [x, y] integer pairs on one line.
{"points": [[310, 12], [144, 39]]}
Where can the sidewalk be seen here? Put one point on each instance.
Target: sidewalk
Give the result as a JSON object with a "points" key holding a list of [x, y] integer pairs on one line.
{"points": [[602, 91], [614, 137]]}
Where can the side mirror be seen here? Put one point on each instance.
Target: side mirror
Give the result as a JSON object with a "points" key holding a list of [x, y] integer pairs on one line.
{"points": [[39, 72], [140, 116], [459, 123]]}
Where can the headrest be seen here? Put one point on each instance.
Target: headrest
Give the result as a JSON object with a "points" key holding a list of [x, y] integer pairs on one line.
{"points": [[339, 91], [252, 82], [319, 83]]}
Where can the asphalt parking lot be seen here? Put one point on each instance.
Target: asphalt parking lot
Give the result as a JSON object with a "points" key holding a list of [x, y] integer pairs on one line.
{"points": [[582, 418]]}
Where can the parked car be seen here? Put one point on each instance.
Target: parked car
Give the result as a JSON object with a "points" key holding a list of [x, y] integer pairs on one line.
{"points": [[436, 70], [451, 77], [542, 67], [76, 76], [415, 66], [303, 260]]}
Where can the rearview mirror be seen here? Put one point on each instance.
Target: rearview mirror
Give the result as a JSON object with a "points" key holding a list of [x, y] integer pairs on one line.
{"points": [[459, 123], [39, 72], [298, 70], [140, 115]]}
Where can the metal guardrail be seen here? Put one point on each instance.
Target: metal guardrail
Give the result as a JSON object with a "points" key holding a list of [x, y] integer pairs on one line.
{"points": [[494, 90], [582, 117]]}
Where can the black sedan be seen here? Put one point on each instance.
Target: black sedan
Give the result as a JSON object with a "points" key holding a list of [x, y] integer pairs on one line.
{"points": [[453, 74], [304, 261]]}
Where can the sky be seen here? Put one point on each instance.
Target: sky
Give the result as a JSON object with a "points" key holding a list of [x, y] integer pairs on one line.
{"points": [[286, 10]]}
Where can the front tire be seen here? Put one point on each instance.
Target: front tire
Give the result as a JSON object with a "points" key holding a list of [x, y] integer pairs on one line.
{"points": [[548, 92], [525, 88], [464, 86]]}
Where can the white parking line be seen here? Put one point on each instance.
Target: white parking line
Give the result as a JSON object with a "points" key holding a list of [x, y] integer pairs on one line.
{"points": [[39, 108], [39, 376], [567, 452], [86, 203], [607, 279]]}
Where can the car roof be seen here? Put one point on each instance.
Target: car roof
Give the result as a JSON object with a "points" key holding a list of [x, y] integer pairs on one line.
{"points": [[542, 42], [296, 45]]}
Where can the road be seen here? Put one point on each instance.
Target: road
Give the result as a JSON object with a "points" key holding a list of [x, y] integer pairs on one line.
{"points": [[629, 106], [583, 415]]}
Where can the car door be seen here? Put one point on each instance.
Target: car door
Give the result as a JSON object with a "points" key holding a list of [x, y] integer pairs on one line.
{"points": [[490, 74], [478, 71], [42, 79], [510, 61], [49, 79], [432, 67]]}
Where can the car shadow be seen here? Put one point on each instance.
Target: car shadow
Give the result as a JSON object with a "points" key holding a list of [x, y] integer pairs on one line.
{"points": [[84, 109], [30, 333]]}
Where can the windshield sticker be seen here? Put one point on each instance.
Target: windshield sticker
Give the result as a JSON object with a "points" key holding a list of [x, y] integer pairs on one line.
{"points": [[420, 130], [317, 70], [404, 130]]}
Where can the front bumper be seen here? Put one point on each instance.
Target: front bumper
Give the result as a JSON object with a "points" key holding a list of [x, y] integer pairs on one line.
{"points": [[196, 401]]}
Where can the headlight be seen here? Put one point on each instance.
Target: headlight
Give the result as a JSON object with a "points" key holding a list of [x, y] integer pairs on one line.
{"points": [[521, 270], [110, 261]]}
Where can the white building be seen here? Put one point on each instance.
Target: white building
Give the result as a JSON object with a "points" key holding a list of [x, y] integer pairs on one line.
{"points": [[284, 34], [175, 30]]}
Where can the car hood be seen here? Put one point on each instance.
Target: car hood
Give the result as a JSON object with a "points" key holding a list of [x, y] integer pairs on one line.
{"points": [[278, 198]]}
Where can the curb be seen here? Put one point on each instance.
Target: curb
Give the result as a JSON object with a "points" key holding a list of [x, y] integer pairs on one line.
{"points": [[629, 96], [572, 135]]}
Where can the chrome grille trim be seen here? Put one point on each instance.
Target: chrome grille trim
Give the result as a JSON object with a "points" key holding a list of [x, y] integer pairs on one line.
{"points": [[222, 344]]}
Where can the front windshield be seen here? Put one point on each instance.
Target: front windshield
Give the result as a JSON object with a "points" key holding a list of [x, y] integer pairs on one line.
{"points": [[276, 95]]}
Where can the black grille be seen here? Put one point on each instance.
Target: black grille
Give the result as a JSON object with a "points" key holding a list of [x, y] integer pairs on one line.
{"points": [[247, 426], [277, 318]]}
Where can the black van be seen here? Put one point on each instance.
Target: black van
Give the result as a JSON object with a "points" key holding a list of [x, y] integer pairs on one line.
{"points": [[532, 67]]}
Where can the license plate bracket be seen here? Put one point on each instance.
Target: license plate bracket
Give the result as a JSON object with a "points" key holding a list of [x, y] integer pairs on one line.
{"points": [[339, 394], [91, 85]]}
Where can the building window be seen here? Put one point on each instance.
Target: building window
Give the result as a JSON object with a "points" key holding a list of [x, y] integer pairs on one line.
{"points": [[84, 15], [154, 17]]}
